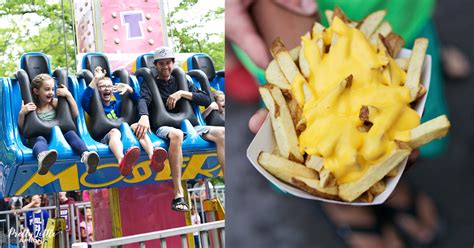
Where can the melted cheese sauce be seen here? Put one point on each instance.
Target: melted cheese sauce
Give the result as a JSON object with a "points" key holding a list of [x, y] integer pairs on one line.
{"points": [[332, 114]]}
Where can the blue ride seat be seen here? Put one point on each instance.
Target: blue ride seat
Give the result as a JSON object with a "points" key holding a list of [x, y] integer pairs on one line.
{"points": [[31, 65], [204, 62], [187, 116], [100, 125]]}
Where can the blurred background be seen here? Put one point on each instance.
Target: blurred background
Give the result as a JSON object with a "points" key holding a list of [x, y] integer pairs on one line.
{"points": [[260, 216]]}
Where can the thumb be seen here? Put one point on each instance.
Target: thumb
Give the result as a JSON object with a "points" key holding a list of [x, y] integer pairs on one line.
{"points": [[256, 121]]}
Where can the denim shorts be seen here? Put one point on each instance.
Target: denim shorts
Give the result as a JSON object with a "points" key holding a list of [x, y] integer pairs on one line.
{"points": [[163, 131]]}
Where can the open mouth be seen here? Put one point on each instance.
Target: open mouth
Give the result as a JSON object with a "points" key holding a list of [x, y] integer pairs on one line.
{"points": [[49, 98], [106, 95]]}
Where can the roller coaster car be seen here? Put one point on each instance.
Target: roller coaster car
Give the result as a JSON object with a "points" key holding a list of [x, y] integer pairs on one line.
{"points": [[184, 118], [203, 63]]}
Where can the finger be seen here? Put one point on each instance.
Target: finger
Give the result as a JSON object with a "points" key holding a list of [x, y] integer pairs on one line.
{"points": [[140, 131], [251, 42], [300, 7], [137, 130], [412, 158], [256, 121]]}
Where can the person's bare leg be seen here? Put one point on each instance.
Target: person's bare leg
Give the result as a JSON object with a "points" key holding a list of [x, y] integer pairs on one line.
{"points": [[362, 217], [144, 142], [175, 155], [217, 135], [423, 226], [115, 144]]}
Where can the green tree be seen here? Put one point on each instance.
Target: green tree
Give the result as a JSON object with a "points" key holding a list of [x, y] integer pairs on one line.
{"points": [[189, 34], [35, 26]]}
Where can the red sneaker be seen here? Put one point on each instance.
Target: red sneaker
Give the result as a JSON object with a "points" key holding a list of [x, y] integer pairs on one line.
{"points": [[158, 158], [128, 160]]}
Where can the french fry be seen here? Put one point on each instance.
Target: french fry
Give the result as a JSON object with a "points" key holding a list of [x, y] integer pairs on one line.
{"points": [[318, 30], [285, 61], [426, 132], [421, 92], [350, 191], [393, 42], [415, 66], [402, 63], [295, 111], [384, 29], [277, 123], [377, 188], [288, 131], [289, 69], [275, 76], [367, 113], [295, 53], [314, 162], [366, 197], [326, 178], [329, 15], [283, 127], [339, 13], [313, 187], [283, 168], [393, 173], [303, 63], [371, 22]]}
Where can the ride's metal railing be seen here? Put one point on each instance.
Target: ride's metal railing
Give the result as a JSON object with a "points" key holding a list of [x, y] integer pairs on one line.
{"points": [[217, 191], [13, 226], [12, 222], [202, 229]]}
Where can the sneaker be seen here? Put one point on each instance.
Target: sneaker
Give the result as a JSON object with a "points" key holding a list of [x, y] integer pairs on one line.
{"points": [[158, 158], [128, 160], [45, 160], [91, 160]]}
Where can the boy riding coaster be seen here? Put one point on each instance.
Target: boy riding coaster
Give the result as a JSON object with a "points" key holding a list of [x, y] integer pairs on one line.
{"points": [[112, 109]]}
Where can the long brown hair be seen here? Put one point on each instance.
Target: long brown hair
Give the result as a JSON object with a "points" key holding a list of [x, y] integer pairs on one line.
{"points": [[36, 84]]}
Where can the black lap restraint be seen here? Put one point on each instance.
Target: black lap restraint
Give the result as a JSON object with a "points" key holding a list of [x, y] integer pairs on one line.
{"points": [[34, 65], [159, 115], [100, 124], [214, 118]]}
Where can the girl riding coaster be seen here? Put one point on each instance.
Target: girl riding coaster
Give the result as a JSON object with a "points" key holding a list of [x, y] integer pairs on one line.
{"points": [[45, 104]]}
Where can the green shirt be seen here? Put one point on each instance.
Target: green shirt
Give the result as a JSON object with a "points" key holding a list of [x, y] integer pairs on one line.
{"points": [[48, 115], [407, 17]]}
